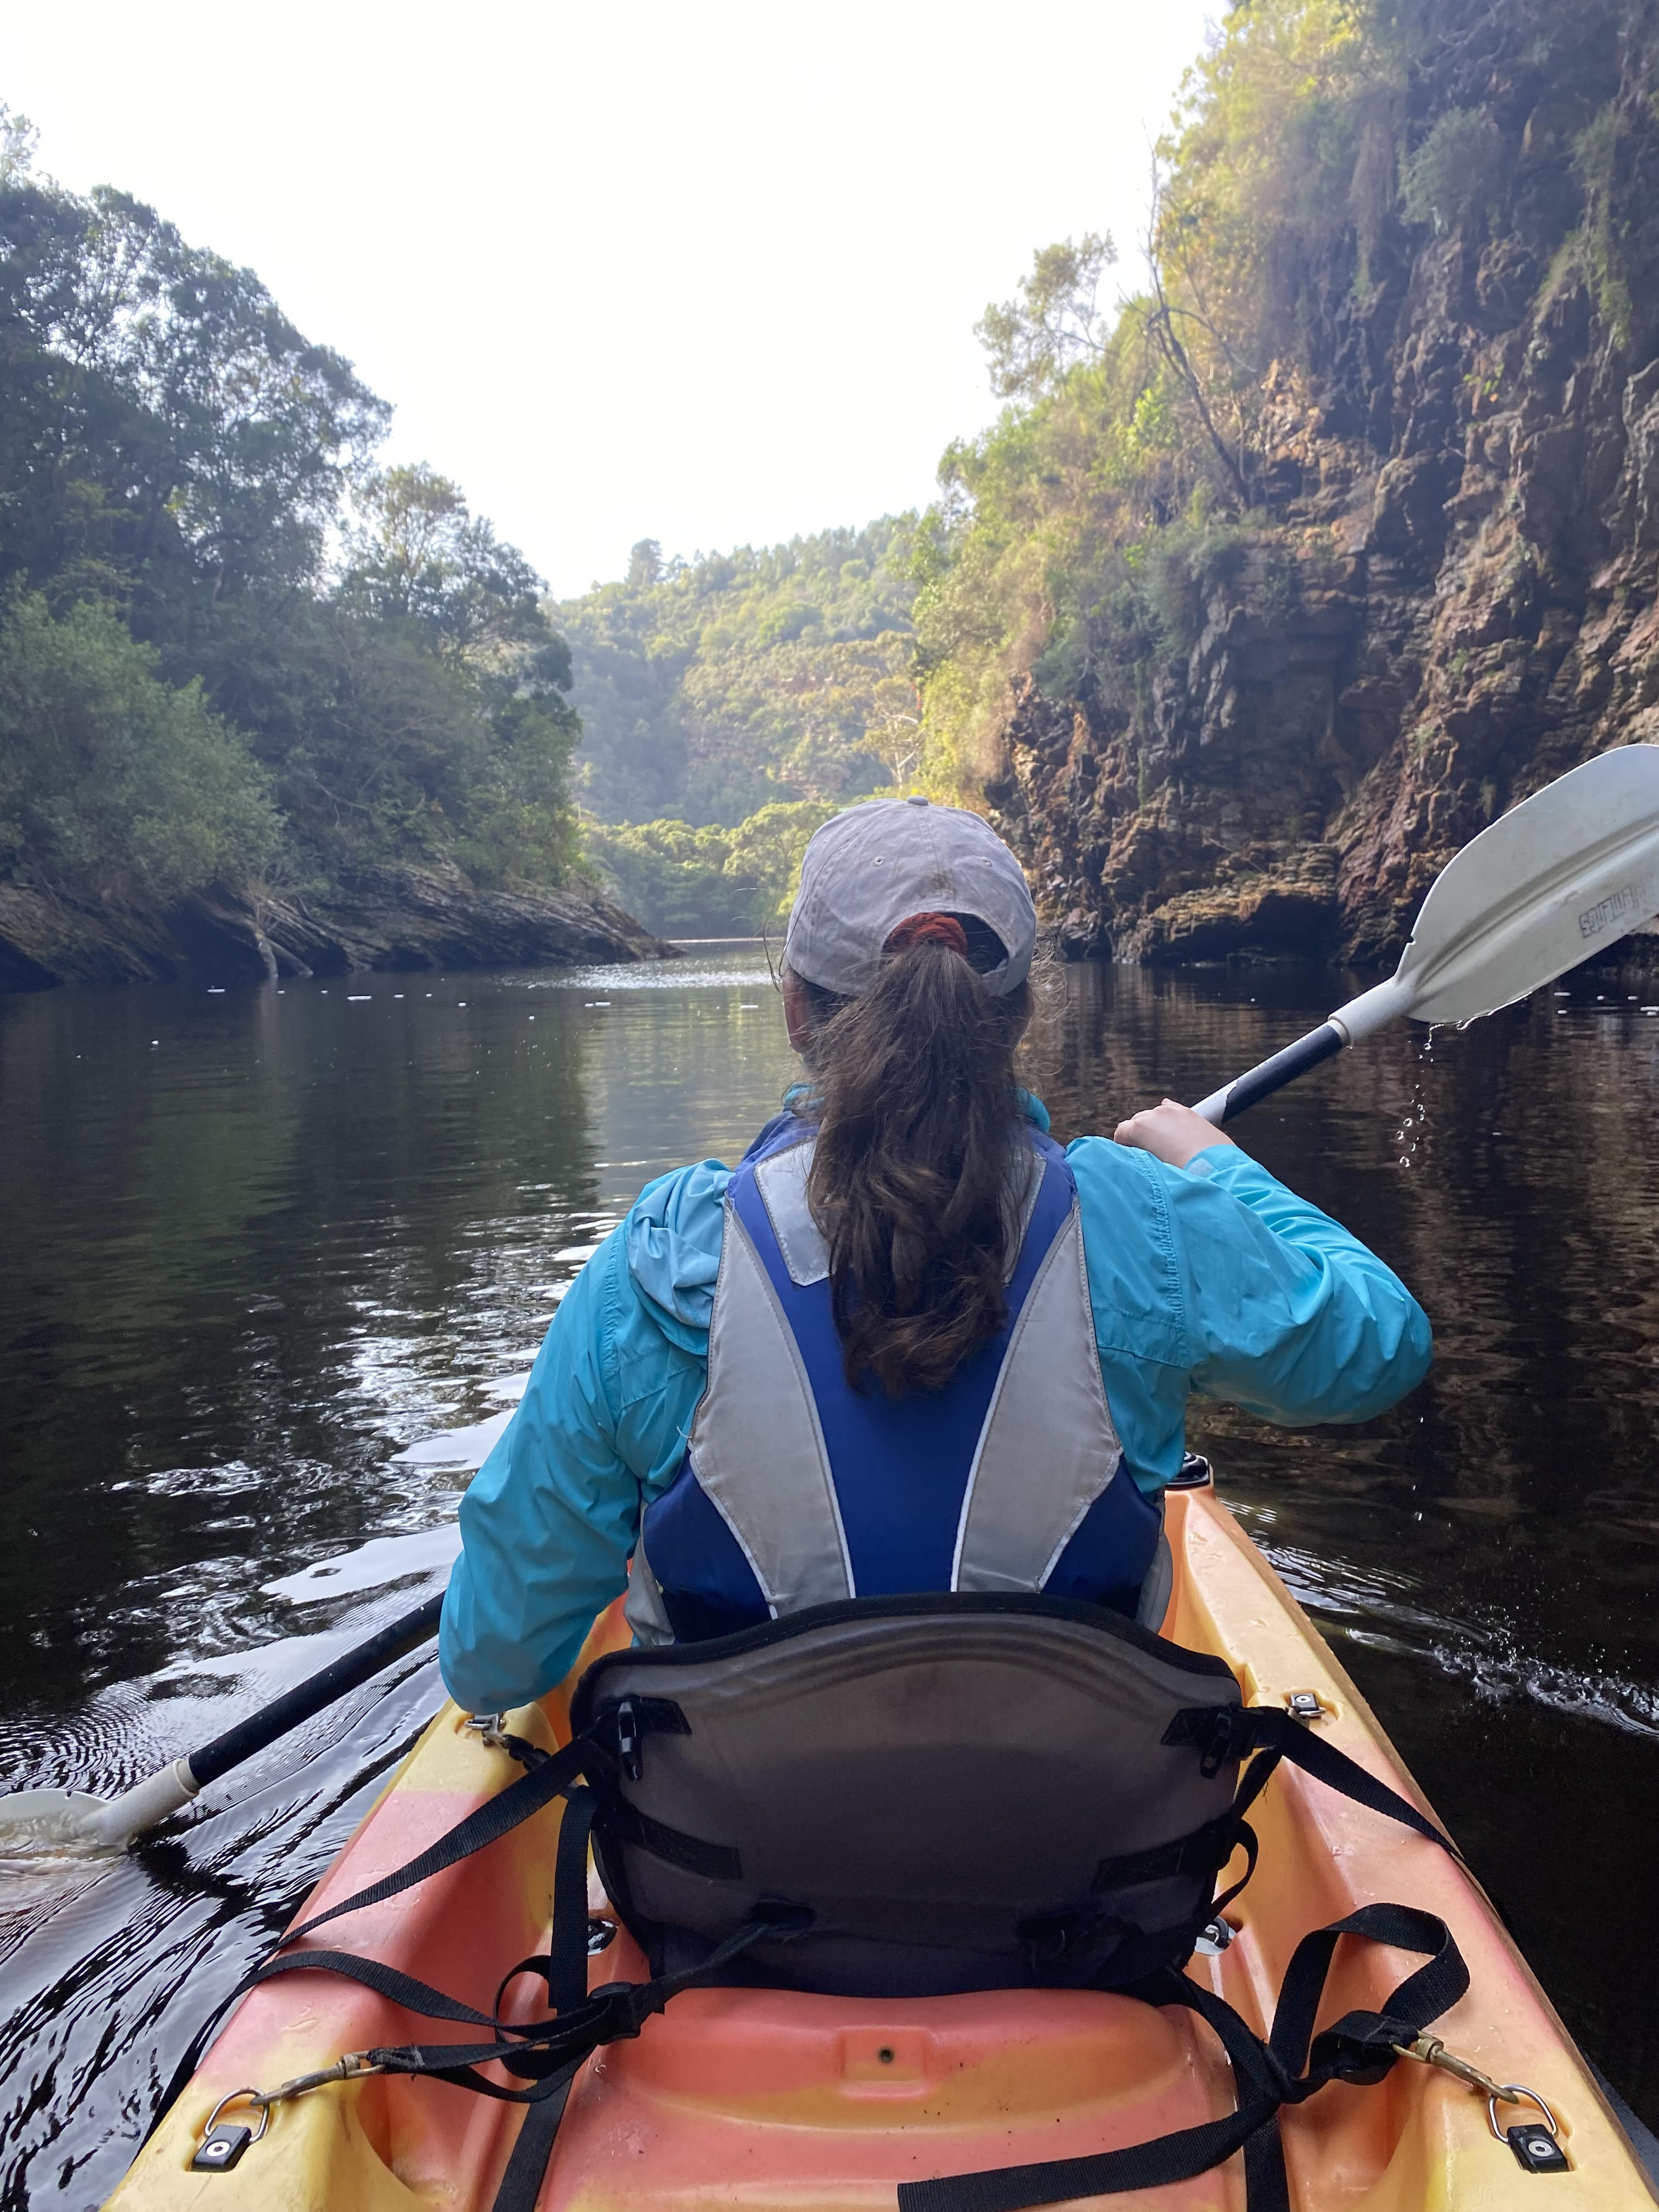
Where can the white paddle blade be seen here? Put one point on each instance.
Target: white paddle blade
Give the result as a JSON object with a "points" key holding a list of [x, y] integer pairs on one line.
{"points": [[51, 1816], [1566, 874]]}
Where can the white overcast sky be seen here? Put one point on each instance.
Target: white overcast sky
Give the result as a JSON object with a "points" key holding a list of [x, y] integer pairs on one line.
{"points": [[705, 273]]}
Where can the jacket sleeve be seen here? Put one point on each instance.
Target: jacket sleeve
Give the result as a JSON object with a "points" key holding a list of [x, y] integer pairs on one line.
{"points": [[553, 1515], [1288, 1315], [549, 1521]]}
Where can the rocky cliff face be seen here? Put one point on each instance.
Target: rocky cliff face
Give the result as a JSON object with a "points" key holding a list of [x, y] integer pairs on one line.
{"points": [[407, 920], [1452, 598]]}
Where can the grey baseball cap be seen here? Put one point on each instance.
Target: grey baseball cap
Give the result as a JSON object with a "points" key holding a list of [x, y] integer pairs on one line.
{"points": [[873, 866]]}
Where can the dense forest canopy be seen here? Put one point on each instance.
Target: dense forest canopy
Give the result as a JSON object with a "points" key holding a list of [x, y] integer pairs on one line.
{"points": [[232, 648], [710, 688]]}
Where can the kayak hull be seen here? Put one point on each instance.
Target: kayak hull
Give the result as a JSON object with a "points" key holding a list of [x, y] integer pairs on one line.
{"points": [[778, 2101]]}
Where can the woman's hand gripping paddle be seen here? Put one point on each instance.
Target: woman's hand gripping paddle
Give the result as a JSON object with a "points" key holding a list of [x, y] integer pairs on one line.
{"points": [[1563, 875], [72, 1816]]}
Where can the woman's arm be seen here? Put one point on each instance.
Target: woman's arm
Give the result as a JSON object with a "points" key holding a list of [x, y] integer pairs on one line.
{"points": [[1288, 1315], [554, 1513], [548, 1522]]}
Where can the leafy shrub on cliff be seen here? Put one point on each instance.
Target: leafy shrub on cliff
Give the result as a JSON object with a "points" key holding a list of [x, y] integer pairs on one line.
{"points": [[1455, 171], [708, 688], [112, 782]]}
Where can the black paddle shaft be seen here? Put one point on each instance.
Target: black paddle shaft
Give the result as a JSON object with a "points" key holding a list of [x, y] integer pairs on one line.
{"points": [[1271, 1075], [350, 1672]]}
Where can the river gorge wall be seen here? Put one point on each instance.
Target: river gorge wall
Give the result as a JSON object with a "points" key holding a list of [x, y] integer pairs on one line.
{"points": [[1449, 595]]}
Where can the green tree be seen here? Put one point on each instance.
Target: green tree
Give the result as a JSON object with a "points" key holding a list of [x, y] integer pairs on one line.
{"points": [[1055, 320], [113, 784], [682, 881], [173, 447], [417, 555], [766, 851]]}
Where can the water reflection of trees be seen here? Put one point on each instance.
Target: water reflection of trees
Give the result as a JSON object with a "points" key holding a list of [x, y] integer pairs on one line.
{"points": [[239, 1255]]}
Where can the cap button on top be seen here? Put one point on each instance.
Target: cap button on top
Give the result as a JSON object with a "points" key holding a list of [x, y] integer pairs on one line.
{"points": [[917, 799]]}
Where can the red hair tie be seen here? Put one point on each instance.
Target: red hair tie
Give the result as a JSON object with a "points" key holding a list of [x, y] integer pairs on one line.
{"points": [[928, 929]]}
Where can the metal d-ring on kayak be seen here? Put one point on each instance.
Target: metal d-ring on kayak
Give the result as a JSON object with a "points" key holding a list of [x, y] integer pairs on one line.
{"points": [[223, 2142], [1537, 2156]]}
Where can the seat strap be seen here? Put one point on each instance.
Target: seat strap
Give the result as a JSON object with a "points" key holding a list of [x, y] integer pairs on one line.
{"points": [[545, 2053], [1282, 2070], [549, 1776], [1279, 1734], [497, 1818], [526, 2169]]}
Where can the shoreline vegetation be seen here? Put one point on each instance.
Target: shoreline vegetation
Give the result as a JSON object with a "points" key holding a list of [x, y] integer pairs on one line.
{"points": [[265, 702], [729, 704]]}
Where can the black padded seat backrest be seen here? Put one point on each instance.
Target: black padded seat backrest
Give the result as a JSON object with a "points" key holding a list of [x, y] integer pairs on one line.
{"points": [[956, 1792]]}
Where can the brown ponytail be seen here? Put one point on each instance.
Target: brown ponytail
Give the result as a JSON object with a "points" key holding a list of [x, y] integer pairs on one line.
{"points": [[915, 1087]]}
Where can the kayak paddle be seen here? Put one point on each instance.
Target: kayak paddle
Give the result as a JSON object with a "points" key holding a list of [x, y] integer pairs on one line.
{"points": [[74, 1816], [1563, 875]]}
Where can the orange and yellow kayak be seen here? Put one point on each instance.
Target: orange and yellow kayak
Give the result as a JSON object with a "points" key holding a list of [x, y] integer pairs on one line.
{"points": [[776, 2102]]}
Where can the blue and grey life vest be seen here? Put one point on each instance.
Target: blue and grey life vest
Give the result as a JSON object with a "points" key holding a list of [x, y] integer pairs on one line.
{"points": [[796, 1490]]}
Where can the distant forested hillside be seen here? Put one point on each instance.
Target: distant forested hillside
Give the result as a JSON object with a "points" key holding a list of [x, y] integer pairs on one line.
{"points": [[711, 688], [729, 705], [234, 650]]}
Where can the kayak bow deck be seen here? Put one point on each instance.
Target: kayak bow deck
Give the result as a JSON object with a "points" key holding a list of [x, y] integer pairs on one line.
{"points": [[771, 2098]]}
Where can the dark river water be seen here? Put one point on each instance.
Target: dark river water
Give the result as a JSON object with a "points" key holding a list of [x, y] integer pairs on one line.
{"points": [[273, 1265]]}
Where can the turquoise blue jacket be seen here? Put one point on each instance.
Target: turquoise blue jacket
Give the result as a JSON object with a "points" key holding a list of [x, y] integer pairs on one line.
{"points": [[1212, 1278]]}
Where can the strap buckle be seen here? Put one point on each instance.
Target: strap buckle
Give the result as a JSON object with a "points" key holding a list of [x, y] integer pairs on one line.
{"points": [[627, 1740]]}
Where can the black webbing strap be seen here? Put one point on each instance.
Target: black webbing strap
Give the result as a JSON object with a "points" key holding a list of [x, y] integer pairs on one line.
{"points": [[1279, 1735], [1177, 2157], [714, 1862], [1269, 2074], [521, 2183], [567, 1946], [514, 1805], [1364, 2038], [498, 1818], [547, 2049], [547, 2053]]}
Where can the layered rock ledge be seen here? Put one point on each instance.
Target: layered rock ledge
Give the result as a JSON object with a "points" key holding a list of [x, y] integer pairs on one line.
{"points": [[401, 920]]}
